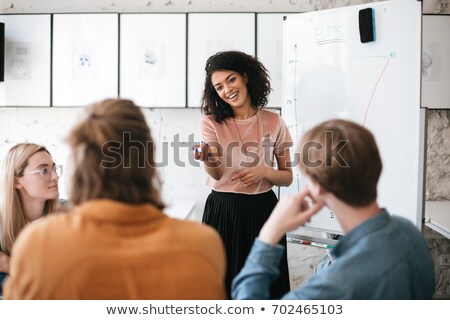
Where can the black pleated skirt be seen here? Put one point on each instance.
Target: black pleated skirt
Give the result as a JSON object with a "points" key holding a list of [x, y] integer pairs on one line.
{"points": [[238, 218]]}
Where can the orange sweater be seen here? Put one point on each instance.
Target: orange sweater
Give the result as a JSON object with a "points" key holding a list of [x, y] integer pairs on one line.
{"points": [[111, 250]]}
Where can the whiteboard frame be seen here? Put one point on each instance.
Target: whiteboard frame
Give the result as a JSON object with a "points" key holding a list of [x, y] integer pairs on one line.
{"points": [[32, 87], [162, 82], [92, 36], [423, 129], [236, 31]]}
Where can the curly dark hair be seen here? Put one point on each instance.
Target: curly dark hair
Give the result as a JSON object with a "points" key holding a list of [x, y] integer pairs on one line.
{"points": [[258, 82]]}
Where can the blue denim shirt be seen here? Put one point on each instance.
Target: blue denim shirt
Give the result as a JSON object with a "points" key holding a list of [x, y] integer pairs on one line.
{"points": [[2, 279], [385, 257]]}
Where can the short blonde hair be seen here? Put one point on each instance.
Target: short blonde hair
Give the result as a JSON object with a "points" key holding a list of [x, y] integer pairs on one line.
{"points": [[350, 172], [12, 214], [113, 154]]}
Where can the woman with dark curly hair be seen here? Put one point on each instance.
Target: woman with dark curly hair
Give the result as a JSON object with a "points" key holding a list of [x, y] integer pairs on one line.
{"points": [[241, 143]]}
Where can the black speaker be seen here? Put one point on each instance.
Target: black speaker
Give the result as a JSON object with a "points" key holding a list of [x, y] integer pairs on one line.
{"points": [[2, 52]]}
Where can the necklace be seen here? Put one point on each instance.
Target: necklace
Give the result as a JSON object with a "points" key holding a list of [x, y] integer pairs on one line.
{"points": [[240, 137]]}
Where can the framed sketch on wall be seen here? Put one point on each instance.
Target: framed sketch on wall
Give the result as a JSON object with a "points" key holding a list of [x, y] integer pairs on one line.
{"points": [[85, 58], [270, 51], [436, 61], [209, 33], [27, 61], [153, 59]]}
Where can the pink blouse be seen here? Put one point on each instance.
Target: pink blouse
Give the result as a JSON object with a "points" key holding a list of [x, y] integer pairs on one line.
{"points": [[245, 143]]}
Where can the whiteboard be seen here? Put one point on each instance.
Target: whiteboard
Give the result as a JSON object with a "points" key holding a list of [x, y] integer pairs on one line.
{"points": [[27, 61], [209, 33], [85, 58], [153, 59], [436, 62], [329, 73]]}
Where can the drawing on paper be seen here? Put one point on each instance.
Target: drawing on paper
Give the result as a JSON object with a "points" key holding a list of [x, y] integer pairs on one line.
{"points": [[431, 61], [84, 61], [426, 63], [18, 60], [151, 60]]}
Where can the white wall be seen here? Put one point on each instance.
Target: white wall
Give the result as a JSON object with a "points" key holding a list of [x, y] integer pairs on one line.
{"points": [[50, 126]]}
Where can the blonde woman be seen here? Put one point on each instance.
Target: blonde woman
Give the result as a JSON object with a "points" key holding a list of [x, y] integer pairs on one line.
{"points": [[28, 190], [116, 243]]}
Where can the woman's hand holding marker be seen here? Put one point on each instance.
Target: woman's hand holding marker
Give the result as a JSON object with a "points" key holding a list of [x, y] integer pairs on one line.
{"points": [[201, 151]]}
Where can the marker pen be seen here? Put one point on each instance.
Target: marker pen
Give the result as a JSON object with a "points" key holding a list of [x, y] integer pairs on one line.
{"points": [[322, 245], [200, 149]]}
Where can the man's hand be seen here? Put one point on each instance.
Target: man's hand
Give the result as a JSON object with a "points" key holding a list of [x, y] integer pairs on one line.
{"points": [[290, 213]]}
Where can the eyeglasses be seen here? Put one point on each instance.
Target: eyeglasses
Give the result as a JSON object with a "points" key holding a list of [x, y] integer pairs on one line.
{"points": [[46, 173]]}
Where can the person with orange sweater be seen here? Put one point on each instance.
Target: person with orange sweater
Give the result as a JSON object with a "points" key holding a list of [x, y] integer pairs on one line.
{"points": [[116, 243]]}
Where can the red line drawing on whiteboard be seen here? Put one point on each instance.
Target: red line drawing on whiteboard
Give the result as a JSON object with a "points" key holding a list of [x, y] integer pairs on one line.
{"points": [[373, 92]]}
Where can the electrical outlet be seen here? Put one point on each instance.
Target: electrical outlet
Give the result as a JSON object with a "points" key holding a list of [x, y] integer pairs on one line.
{"points": [[445, 260]]}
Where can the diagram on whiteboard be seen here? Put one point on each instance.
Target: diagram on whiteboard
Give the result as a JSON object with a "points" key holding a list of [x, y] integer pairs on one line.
{"points": [[329, 73], [306, 106]]}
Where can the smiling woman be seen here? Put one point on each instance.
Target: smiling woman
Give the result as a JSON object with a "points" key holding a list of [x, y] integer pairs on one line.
{"points": [[243, 141], [28, 191]]}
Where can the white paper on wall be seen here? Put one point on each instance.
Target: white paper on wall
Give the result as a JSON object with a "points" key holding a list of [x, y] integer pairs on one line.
{"points": [[436, 61], [85, 58], [27, 61], [209, 33], [153, 59]]}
